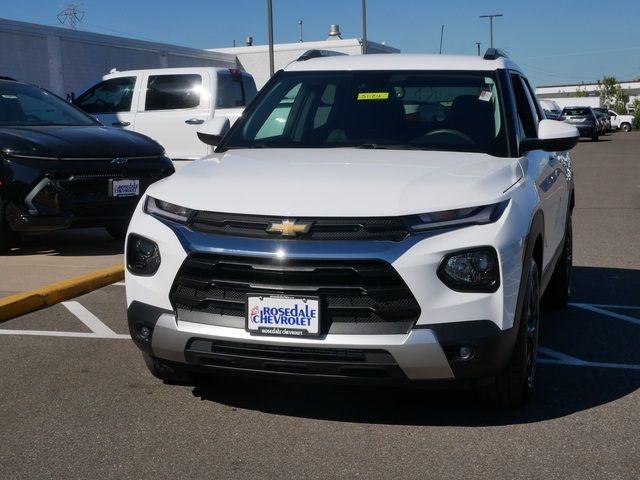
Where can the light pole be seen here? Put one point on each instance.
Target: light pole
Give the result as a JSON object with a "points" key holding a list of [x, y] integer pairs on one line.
{"points": [[364, 27], [491, 17], [270, 20], [478, 45]]}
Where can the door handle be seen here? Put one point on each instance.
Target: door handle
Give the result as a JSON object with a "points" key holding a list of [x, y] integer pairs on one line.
{"points": [[121, 124], [194, 121]]}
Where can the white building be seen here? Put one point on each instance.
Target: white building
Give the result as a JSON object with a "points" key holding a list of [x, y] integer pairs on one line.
{"points": [[255, 58], [64, 60], [566, 95]]}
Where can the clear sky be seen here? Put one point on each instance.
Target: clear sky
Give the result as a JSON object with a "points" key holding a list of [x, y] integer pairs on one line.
{"points": [[557, 41]]}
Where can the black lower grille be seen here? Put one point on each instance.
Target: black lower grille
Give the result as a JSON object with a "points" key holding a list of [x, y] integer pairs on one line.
{"points": [[356, 296], [334, 362], [321, 228]]}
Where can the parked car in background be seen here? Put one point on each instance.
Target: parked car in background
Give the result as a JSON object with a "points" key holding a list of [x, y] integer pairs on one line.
{"points": [[60, 168], [551, 109], [584, 119], [169, 104], [622, 122], [340, 233]]}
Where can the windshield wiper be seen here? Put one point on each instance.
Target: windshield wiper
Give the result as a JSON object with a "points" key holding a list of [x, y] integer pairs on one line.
{"points": [[385, 146]]}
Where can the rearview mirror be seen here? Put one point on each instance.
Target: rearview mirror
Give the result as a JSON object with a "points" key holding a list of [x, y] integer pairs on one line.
{"points": [[71, 97], [553, 136], [213, 130]]}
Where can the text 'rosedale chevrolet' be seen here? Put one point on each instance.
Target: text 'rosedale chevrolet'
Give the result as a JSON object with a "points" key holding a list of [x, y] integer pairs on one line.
{"points": [[391, 218]]}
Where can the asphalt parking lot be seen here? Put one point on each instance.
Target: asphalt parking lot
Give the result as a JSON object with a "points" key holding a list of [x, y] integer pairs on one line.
{"points": [[76, 400]]}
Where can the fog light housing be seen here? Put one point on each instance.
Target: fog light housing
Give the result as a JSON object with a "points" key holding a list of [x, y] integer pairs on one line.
{"points": [[143, 255], [475, 270]]}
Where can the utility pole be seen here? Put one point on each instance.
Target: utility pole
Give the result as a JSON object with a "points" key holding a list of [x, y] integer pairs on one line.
{"points": [[364, 26], [300, 23], [270, 20], [478, 45], [491, 17], [70, 15], [441, 35]]}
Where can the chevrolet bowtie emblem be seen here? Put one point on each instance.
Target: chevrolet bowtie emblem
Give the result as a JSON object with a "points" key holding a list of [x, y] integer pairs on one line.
{"points": [[289, 228]]}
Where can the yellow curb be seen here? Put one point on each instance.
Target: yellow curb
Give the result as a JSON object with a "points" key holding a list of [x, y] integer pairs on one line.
{"points": [[27, 302]]}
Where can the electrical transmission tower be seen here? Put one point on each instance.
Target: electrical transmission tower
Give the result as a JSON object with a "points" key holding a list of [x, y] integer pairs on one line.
{"points": [[71, 15]]}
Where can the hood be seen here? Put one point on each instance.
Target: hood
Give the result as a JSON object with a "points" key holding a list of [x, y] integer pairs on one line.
{"points": [[339, 182], [91, 141]]}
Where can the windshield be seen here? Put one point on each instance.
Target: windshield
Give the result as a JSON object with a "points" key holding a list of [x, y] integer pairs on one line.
{"points": [[576, 111], [27, 105], [458, 111]]}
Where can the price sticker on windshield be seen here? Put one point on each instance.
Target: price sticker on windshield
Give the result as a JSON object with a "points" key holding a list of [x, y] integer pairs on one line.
{"points": [[373, 96]]}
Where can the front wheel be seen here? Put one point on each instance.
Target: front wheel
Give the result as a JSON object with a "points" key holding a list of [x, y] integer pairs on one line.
{"points": [[8, 238], [625, 127], [117, 231], [513, 386], [594, 137]]}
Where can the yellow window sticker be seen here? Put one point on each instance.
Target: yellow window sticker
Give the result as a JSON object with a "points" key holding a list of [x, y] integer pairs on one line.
{"points": [[373, 96]]}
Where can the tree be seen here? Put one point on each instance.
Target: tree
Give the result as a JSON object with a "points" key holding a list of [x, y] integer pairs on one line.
{"points": [[636, 111], [612, 95], [580, 92]]}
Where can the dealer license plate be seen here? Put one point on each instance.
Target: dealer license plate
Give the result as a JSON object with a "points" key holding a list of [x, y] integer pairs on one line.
{"points": [[124, 188], [283, 316]]}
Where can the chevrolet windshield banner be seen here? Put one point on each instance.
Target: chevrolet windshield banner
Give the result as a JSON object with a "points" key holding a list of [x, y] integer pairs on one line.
{"points": [[283, 316]]}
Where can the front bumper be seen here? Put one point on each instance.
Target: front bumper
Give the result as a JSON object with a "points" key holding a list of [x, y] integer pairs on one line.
{"points": [[424, 352]]}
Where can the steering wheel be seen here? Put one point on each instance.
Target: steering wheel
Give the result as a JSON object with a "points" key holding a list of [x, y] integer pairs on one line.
{"points": [[451, 132], [101, 106]]}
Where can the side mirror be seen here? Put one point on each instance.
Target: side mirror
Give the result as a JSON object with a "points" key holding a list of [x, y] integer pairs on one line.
{"points": [[71, 97], [213, 130], [553, 136]]}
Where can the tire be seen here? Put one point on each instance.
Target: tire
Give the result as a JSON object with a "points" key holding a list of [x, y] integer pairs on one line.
{"points": [[513, 386], [8, 238], [117, 231], [166, 373], [559, 288], [625, 127], [594, 137]]}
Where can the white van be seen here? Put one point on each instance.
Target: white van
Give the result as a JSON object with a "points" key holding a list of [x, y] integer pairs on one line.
{"points": [[169, 104]]}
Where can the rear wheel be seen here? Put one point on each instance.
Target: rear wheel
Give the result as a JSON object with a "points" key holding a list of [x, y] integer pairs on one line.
{"points": [[625, 127], [513, 386], [594, 137], [559, 288], [167, 373]]}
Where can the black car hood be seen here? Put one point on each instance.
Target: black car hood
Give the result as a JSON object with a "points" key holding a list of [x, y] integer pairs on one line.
{"points": [[92, 141]]}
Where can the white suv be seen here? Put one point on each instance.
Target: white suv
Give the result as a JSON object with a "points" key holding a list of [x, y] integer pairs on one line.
{"points": [[386, 218]]}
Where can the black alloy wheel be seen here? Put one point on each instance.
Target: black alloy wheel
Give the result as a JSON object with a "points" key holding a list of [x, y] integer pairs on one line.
{"points": [[514, 385]]}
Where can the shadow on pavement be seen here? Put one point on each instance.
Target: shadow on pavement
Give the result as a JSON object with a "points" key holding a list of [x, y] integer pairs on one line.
{"points": [[561, 389], [69, 243]]}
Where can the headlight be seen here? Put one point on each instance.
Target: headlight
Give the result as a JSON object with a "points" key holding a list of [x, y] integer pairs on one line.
{"points": [[474, 270], [143, 255], [459, 217], [153, 206]]}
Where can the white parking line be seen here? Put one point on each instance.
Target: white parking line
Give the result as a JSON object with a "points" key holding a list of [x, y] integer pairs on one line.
{"points": [[608, 313], [119, 284], [559, 358], [44, 333], [98, 329], [89, 319]]}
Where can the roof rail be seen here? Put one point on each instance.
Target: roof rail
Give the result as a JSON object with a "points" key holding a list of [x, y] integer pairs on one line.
{"points": [[2, 77], [309, 54], [494, 54]]}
